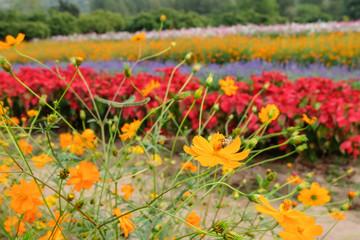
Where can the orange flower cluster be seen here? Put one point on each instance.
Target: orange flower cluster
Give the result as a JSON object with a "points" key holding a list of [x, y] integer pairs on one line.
{"points": [[77, 143], [214, 152], [297, 224], [330, 49]]}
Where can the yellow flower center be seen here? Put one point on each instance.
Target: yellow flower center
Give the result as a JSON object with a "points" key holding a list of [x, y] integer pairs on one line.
{"points": [[287, 204]]}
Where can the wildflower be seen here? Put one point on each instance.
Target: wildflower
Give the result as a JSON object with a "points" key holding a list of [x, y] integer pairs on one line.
{"points": [[125, 224], [155, 160], [186, 195], [314, 196], [351, 195], [25, 147], [83, 176], [150, 87], [162, 18], [221, 226], [228, 86], [14, 121], [59, 219], [269, 113], [31, 215], [13, 223], [25, 196], [3, 176], [129, 130], [193, 219], [295, 179], [66, 139], [32, 113], [308, 120], [128, 190], [137, 149], [212, 153], [138, 37], [153, 195], [337, 215], [189, 166], [87, 138], [2, 142], [304, 231], [10, 41], [41, 160], [285, 216]]}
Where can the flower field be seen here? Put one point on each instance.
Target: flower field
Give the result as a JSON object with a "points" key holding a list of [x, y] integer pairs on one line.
{"points": [[132, 138]]}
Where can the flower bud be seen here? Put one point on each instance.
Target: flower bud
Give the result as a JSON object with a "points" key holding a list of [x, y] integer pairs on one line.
{"points": [[271, 176], [220, 226], [52, 118], [78, 61], [302, 186], [198, 93], [236, 195], [172, 44], [254, 198], [350, 171], [188, 56], [267, 85], [351, 195], [82, 115], [276, 185], [291, 129], [71, 196], [209, 80], [43, 100], [64, 173], [272, 112], [253, 142], [114, 152], [5, 65], [345, 207], [309, 175], [163, 18], [294, 204], [80, 204], [298, 139], [231, 116], [254, 109], [232, 236], [196, 68], [237, 131], [301, 148], [216, 107], [127, 71]]}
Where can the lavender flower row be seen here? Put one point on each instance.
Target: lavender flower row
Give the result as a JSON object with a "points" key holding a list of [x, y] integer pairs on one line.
{"points": [[249, 30], [240, 70]]}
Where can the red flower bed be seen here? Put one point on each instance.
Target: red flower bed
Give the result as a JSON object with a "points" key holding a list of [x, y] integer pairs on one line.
{"points": [[335, 104]]}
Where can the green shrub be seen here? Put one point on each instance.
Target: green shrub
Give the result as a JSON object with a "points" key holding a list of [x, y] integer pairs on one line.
{"points": [[62, 23], [100, 22], [142, 21], [31, 29], [310, 13]]}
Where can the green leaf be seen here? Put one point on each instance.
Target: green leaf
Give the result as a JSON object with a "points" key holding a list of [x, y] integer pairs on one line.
{"points": [[127, 103], [259, 179]]}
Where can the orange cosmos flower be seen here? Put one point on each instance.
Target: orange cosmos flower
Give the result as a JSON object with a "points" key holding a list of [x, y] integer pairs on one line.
{"points": [[3, 110], [150, 87], [3, 176], [86, 139], [10, 41], [295, 179], [83, 176], [193, 219], [269, 113], [212, 153], [285, 216], [125, 224], [32, 113], [351, 195], [25, 147], [128, 190], [308, 120], [189, 166], [137, 149], [314, 196], [337, 215], [12, 223], [32, 214], [129, 130], [53, 235], [138, 37], [25, 196], [76, 143], [41, 160], [306, 230], [228, 86], [66, 139], [14, 121]]}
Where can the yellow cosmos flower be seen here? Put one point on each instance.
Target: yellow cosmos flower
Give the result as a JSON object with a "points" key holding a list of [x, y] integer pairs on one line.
{"points": [[32, 113], [269, 113], [138, 37], [129, 130], [228, 86], [314, 196], [10, 41], [156, 160], [137, 149], [212, 153], [306, 230]]}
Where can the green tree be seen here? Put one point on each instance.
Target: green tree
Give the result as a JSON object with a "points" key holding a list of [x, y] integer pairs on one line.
{"points": [[352, 9]]}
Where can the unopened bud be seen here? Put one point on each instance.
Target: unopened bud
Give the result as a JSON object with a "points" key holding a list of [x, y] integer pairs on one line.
{"points": [[236, 195], [253, 142], [232, 236], [209, 80], [231, 116], [350, 171], [5, 65], [127, 71], [254, 198], [237, 131], [198, 93], [216, 107], [302, 186], [114, 152], [172, 44], [301, 148], [79, 204], [71, 196], [298, 139], [82, 115], [271, 176], [163, 18], [188, 56], [267, 85], [220, 226], [43, 100], [196, 68], [254, 109], [64, 173], [345, 207], [291, 129], [52, 118], [78, 61], [351, 195]]}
